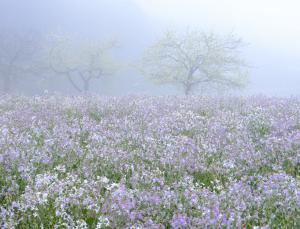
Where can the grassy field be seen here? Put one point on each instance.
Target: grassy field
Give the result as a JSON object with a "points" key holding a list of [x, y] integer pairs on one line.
{"points": [[149, 162]]}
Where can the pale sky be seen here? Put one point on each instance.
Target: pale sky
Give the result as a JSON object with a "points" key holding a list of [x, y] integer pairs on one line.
{"points": [[259, 20]]}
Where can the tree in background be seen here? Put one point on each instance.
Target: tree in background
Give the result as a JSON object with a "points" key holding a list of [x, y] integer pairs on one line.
{"points": [[195, 59], [17, 53], [81, 60]]}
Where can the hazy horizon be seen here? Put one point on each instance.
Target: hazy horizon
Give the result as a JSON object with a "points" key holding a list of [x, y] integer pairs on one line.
{"points": [[270, 29]]}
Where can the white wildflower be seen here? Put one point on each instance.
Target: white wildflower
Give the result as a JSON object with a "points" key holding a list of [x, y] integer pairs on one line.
{"points": [[102, 221]]}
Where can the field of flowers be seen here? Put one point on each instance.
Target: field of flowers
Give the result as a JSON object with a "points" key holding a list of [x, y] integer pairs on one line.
{"points": [[149, 162]]}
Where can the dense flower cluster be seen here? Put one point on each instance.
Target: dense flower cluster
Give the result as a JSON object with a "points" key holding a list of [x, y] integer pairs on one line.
{"points": [[149, 162]]}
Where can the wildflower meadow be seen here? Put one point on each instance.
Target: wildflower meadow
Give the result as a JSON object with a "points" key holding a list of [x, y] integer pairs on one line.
{"points": [[149, 162]]}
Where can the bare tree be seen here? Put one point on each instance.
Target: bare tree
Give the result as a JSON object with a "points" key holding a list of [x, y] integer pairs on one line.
{"points": [[195, 58], [80, 60], [17, 51]]}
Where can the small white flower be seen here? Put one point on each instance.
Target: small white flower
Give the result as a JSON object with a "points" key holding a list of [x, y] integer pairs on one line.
{"points": [[60, 168], [112, 186], [228, 164], [104, 180], [102, 221]]}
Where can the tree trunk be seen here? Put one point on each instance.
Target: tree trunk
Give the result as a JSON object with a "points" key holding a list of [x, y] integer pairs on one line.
{"points": [[73, 83], [188, 85], [187, 89]]}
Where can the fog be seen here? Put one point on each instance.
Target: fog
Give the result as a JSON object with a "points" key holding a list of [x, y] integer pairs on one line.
{"points": [[270, 30], [149, 114]]}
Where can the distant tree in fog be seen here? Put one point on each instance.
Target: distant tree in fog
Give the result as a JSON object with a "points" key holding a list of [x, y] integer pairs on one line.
{"points": [[195, 59], [81, 60], [17, 51]]}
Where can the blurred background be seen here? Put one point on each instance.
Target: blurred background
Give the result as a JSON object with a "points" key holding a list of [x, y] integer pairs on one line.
{"points": [[269, 29]]}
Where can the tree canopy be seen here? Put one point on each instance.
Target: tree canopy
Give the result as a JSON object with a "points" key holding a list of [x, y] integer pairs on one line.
{"points": [[81, 60], [196, 58]]}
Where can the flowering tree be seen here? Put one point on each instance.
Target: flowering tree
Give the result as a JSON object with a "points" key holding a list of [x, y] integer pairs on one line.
{"points": [[195, 58], [81, 61]]}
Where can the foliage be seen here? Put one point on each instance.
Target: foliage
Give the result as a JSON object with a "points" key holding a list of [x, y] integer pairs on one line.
{"points": [[196, 59], [149, 162]]}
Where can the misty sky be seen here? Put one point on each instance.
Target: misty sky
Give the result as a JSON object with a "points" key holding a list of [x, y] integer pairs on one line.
{"points": [[271, 29]]}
